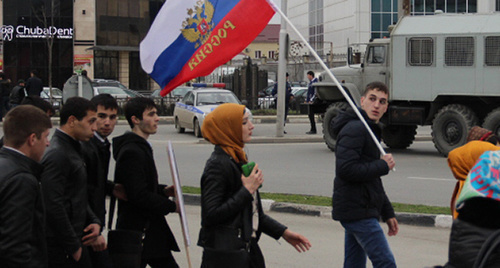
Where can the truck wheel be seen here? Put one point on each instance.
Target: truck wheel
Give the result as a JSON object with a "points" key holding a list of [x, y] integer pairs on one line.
{"points": [[492, 121], [330, 114], [450, 127], [399, 137], [177, 126]]}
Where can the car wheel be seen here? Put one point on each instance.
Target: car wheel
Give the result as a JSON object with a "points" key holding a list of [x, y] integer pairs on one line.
{"points": [[450, 127], [177, 126], [196, 128]]}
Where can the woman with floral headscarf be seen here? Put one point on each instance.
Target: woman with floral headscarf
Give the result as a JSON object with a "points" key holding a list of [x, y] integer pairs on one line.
{"points": [[232, 218]]}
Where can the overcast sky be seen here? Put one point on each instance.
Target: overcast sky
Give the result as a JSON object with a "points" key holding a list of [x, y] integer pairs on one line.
{"points": [[277, 18]]}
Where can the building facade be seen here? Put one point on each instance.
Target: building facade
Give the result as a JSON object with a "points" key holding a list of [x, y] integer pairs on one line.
{"points": [[332, 25], [103, 36], [99, 36]]}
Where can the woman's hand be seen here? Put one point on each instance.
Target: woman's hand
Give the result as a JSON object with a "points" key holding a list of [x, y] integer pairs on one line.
{"points": [[298, 241], [253, 181]]}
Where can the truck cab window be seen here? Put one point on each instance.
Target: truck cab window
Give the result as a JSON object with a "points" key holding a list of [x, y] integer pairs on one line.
{"points": [[376, 55]]}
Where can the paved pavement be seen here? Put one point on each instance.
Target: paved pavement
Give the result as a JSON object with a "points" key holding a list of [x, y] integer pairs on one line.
{"points": [[413, 246]]}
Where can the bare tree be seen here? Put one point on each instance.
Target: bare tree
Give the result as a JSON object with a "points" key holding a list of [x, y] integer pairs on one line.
{"points": [[42, 15]]}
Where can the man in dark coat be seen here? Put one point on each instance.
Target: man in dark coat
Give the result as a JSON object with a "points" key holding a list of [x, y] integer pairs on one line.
{"points": [[71, 224], [96, 154], [311, 96], [34, 84], [4, 95], [148, 202], [22, 221], [359, 199], [17, 94]]}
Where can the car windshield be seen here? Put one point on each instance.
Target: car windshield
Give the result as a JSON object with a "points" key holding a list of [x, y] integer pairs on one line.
{"points": [[55, 92], [213, 98], [156, 93], [110, 90], [180, 91]]}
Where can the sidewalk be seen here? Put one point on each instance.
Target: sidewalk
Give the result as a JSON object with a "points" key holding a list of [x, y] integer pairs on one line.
{"points": [[425, 220]]}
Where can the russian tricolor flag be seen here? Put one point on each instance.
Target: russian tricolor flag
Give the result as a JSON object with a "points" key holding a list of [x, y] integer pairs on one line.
{"points": [[190, 38]]}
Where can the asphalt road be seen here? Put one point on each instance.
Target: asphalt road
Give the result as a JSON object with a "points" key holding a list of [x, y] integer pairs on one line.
{"points": [[422, 176]]}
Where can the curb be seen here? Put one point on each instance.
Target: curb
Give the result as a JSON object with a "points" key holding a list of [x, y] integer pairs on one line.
{"points": [[262, 119], [424, 220]]}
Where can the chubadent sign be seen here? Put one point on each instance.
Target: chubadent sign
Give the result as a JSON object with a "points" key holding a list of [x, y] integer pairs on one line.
{"points": [[23, 31]]}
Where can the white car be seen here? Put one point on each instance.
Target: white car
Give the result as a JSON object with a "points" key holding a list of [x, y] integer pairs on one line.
{"points": [[196, 104], [56, 99], [114, 91]]}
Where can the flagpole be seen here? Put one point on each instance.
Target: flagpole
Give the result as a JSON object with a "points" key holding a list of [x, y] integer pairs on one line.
{"points": [[339, 86]]}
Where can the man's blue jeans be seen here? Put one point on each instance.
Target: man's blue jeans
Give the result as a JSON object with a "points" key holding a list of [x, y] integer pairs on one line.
{"points": [[366, 237]]}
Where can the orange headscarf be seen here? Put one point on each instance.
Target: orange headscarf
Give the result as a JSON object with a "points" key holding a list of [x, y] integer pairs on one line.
{"points": [[223, 127]]}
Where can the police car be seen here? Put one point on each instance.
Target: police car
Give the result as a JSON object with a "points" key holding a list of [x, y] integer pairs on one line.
{"points": [[196, 104]]}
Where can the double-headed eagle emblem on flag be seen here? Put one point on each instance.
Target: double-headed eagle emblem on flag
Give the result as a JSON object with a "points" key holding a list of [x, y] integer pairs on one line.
{"points": [[199, 25]]}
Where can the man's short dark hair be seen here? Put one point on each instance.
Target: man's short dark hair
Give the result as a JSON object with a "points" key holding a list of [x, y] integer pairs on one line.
{"points": [[105, 100], [77, 107], [311, 73], [34, 72], [22, 121], [379, 86], [2, 75], [36, 101], [136, 106]]}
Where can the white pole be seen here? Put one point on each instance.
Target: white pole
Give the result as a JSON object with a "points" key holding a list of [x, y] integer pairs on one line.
{"points": [[280, 105], [339, 86]]}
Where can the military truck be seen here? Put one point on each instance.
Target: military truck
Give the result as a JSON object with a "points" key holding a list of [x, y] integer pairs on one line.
{"points": [[442, 70]]}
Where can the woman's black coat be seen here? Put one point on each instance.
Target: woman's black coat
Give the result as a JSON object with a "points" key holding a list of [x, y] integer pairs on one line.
{"points": [[226, 204]]}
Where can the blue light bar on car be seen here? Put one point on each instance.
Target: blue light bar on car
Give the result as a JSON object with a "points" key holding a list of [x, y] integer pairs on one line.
{"points": [[219, 85]]}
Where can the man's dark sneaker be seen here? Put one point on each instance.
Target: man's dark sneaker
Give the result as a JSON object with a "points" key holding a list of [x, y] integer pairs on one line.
{"points": [[284, 132], [310, 132]]}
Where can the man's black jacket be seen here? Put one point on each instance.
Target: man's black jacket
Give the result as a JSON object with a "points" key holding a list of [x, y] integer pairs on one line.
{"points": [[358, 192], [96, 155], [22, 219], [17, 95], [226, 203], [147, 205], [34, 86], [64, 181]]}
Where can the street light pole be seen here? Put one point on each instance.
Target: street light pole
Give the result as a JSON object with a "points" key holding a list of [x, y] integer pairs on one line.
{"points": [[280, 105]]}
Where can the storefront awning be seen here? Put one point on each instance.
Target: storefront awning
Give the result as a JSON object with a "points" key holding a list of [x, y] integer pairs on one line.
{"points": [[114, 48]]}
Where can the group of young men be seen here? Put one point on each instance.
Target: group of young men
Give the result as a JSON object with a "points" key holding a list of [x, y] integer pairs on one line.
{"points": [[52, 201]]}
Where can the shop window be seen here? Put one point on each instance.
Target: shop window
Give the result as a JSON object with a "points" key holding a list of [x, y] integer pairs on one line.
{"points": [[106, 64]]}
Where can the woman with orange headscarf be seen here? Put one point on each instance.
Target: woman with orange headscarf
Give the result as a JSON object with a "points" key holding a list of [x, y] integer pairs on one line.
{"points": [[232, 218]]}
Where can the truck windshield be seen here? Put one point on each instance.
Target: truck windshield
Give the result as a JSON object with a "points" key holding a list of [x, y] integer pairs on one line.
{"points": [[376, 54]]}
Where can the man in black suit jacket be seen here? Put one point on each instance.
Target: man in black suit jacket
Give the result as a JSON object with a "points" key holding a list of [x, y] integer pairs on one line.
{"points": [[96, 154], [22, 221], [148, 202]]}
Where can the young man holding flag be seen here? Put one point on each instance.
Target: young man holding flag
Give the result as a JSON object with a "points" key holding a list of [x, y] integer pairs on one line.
{"points": [[359, 199]]}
